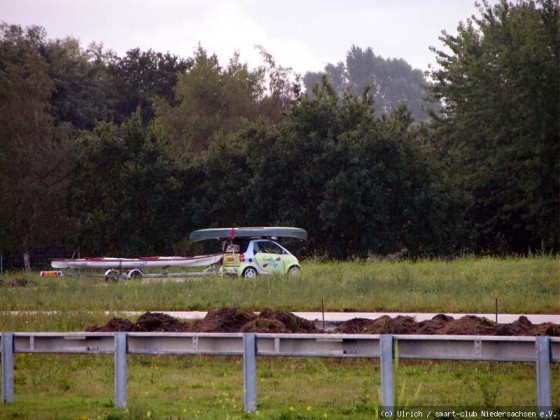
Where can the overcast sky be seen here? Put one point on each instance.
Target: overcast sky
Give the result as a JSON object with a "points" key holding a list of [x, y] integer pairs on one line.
{"points": [[302, 34]]}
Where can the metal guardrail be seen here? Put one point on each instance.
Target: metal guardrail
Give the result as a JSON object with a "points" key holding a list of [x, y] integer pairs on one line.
{"points": [[541, 350]]}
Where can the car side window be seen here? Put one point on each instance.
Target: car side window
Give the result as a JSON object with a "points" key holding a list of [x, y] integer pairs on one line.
{"points": [[270, 248]]}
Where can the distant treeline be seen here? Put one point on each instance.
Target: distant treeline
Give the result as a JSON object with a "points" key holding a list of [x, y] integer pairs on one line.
{"points": [[126, 155]]}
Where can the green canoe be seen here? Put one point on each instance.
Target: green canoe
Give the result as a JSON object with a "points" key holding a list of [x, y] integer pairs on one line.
{"points": [[248, 232]]}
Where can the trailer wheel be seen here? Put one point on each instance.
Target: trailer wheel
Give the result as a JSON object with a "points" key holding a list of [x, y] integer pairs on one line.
{"points": [[134, 274], [111, 275]]}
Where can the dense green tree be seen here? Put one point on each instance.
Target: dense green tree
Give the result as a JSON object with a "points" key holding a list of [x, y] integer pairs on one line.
{"points": [[34, 153], [210, 99], [392, 81], [498, 80], [82, 92], [92, 84], [139, 78], [375, 189], [227, 174], [126, 192], [358, 183], [161, 145]]}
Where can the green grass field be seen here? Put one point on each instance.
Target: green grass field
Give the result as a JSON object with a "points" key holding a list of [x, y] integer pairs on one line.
{"points": [[191, 387], [521, 285]]}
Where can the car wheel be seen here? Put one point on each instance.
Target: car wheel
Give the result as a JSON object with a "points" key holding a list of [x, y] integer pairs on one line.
{"points": [[294, 271], [250, 273]]}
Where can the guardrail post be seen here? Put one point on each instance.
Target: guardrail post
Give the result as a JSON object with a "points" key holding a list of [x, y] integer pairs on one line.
{"points": [[7, 367], [121, 348], [387, 371], [250, 372], [544, 393]]}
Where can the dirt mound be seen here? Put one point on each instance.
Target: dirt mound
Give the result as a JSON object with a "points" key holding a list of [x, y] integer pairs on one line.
{"points": [[216, 320], [265, 325], [225, 320], [114, 325], [148, 322], [270, 321], [383, 325], [154, 322], [469, 325], [431, 326], [446, 325], [294, 324]]}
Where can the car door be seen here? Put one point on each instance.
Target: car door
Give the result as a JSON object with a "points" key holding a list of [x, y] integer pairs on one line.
{"points": [[269, 256]]}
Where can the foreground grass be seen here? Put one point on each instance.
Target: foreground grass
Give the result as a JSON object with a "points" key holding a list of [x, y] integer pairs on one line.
{"points": [[195, 387], [521, 285], [81, 386]]}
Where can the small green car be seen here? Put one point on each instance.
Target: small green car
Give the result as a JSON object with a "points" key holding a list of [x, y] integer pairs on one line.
{"points": [[252, 251], [249, 258]]}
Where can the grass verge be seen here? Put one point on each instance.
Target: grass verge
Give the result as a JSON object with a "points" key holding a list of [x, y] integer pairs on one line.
{"points": [[195, 387]]}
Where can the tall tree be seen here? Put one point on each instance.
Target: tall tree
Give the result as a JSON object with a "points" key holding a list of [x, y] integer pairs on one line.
{"points": [[210, 99], [126, 191], [392, 82], [499, 83], [140, 77], [284, 87], [82, 93], [355, 181], [34, 153]]}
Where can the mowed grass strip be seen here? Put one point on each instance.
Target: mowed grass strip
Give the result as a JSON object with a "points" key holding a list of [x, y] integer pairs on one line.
{"points": [[521, 285], [198, 387]]}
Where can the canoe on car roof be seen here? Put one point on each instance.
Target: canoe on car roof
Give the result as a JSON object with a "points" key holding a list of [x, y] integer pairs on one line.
{"points": [[248, 232]]}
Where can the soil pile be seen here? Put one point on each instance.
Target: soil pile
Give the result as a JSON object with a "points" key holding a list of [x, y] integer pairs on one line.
{"points": [[292, 323], [446, 325], [115, 324], [217, 320], [225, 320], [383, 325], [158, 322], [147, 322], [269, 321]]}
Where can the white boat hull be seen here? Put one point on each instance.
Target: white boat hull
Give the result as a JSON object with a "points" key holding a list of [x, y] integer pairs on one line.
{"points": [[131, 263]]}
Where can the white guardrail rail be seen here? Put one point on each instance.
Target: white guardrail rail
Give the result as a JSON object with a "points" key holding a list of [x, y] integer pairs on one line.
{"points": [[540, 350]]}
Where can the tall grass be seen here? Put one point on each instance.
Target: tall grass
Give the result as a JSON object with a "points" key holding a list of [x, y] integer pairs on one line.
{"points": [[521, 285]]}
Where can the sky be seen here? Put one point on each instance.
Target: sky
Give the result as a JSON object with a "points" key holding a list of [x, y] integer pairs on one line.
{"points": [[302, 34]]}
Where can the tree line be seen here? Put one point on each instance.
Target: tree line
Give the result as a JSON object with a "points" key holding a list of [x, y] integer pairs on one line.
{"points": [[126, 155]]}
